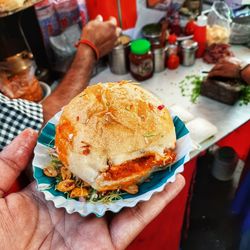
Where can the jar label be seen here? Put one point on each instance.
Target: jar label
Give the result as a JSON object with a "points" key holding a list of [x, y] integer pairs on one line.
{"points": [[144, 68]]}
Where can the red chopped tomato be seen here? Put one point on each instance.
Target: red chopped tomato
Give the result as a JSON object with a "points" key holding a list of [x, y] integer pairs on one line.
{"points": [[173, 61], [161, 107], [190, 27]]}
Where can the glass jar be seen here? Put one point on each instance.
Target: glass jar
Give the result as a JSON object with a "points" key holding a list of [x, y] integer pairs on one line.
{"points": [[141, 60]]}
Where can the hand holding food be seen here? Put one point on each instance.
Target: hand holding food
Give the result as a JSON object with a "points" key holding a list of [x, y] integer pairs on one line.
{"points": [[28, 221], [113, 146]]}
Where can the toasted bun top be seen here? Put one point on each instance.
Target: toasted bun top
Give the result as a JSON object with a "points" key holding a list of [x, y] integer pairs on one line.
{"points": [[8, 5], [112, 123]]}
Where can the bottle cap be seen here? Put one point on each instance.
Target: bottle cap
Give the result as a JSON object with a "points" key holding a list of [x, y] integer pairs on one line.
{"points": [[140, 46], [201, 20], [172, 38]]}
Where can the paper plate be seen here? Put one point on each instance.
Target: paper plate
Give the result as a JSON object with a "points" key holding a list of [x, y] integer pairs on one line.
{"points": [[157, 182]]}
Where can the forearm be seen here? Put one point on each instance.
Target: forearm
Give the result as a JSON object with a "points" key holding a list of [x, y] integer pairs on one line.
{"points": [[245, 74], [76, 79]]}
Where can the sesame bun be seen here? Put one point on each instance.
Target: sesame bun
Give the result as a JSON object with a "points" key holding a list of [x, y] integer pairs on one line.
{"points": [[9, 5], [114, 135]]}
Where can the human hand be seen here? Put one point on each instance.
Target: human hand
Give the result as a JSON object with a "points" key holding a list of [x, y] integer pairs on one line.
{"points": [[28, 221], [103, 34], [228, 67]]}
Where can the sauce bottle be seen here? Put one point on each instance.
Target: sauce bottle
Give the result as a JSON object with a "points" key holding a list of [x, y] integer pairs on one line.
{"points": [[172, 45], [141, 60], [200, 35], [173, 60]]}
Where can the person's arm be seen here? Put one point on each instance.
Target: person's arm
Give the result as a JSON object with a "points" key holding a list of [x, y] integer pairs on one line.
{"points": [[76, 79], [103, 35]]}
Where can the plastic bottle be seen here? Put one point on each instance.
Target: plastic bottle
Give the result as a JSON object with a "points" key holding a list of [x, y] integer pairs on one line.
{"points": [[173, 60], [200, 35], [172, 45]]}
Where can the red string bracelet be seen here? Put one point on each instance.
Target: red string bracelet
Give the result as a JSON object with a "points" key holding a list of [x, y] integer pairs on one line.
{"points": [[91, 45]]}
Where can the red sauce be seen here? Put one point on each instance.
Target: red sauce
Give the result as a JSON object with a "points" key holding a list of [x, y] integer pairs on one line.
{"points": [[138, 166], [141, 66], [64, 130]]}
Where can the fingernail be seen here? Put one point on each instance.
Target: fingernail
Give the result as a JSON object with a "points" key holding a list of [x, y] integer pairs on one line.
{"points": [[113, 20], [99, 18], [30, 135]]}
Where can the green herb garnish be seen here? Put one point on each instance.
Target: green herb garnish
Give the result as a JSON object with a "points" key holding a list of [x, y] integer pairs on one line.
{"points": [[191, 86], [245, 95], [107, 197]]}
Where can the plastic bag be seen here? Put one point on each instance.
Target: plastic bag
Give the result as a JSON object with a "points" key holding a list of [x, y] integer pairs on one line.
{"points": [[219, 20]]}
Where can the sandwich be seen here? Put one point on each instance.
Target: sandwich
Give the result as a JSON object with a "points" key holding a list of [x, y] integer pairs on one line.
{"points": [[112, 136]]}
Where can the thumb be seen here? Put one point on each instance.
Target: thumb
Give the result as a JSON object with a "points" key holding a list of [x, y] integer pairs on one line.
{"points": [[131, 221], [15, 157]]}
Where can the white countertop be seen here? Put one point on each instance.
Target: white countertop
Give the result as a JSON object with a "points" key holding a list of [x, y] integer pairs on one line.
{"points": [[165, 85]]}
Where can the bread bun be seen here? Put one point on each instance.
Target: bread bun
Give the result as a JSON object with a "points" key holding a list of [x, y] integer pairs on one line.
{"points": [[9, 5], [114, 135]]}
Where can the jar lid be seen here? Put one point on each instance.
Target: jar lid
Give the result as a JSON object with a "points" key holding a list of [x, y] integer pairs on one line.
{"points": [[140, 46], [189, 44]]}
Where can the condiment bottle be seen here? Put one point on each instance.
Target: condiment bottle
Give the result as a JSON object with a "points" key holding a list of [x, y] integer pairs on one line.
{"points": [[173, 60], [200, 35], [141, 60], [172, 45]]}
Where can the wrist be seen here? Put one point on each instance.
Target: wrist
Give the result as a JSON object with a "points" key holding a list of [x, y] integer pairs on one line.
{"points": [[85, 51], [91, 45]]}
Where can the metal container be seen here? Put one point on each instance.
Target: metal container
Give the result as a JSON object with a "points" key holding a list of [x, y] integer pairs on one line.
{"points": [[17, 63], [159, 59], [224, 164], [152, 32], [188, 49], [118, 59]]}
